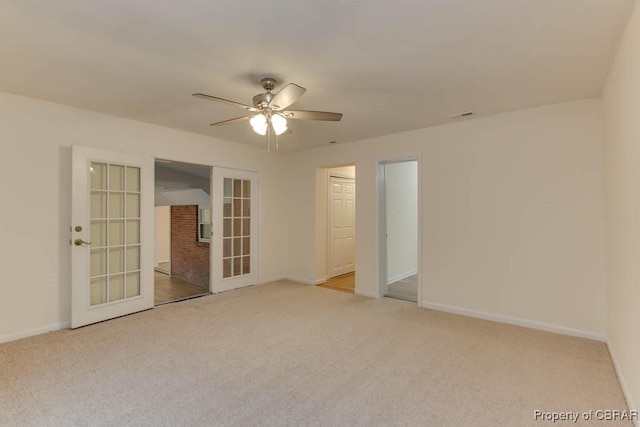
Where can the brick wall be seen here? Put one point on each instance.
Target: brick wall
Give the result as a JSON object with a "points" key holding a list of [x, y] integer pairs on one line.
{"points": [[189, 258]]}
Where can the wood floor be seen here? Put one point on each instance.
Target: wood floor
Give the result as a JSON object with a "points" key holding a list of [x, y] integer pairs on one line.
{"points": [[343, 283], [168, 289], [404, 289]]}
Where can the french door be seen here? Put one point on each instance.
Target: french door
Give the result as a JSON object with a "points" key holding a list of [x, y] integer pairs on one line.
{"points": [[234, 257], [111, 235]]}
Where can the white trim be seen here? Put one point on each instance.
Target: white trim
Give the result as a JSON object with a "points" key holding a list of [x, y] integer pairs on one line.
{"points": [[381, 226], [623, 384], [515, 321], [338, 178], [291, 279], [270, 279], [299, 280], [35, 331], [212, 260], [197, 161], [420, 230], [381, 229], [367, 294], [402, 276]]}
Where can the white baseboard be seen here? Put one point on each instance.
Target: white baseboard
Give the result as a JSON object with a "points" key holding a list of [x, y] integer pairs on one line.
{"points": [[270, 279], [35, 331], [321, 280], [623, 385], [366, 294], [293, 279], [515, 321], [299, 280], [401, 276]]}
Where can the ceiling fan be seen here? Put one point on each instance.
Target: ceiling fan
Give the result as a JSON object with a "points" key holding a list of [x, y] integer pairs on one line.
{"points": [[270, 108]]}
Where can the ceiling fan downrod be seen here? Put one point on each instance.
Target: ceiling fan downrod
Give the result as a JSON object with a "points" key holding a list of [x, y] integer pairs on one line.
{"points": [[262, 100]]}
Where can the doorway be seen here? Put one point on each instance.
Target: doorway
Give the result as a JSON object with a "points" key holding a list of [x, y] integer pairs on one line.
{"points": [[401, 230], [336, 205], [182, 232]]}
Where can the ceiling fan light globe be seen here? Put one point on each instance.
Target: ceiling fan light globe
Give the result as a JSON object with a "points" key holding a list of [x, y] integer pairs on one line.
{"points": [[259, 124], [279, 124]]}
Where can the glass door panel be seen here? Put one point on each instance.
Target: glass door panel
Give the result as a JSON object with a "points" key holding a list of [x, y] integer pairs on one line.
{"points": [[114, 233], [236, 224]]}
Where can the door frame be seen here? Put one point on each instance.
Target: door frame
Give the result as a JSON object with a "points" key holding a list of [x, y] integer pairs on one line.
{"points": [[195, 163], [382, 223], [165, 157]]}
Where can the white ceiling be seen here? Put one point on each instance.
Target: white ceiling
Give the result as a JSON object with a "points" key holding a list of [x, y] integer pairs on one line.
{"points": [[389, 66]]}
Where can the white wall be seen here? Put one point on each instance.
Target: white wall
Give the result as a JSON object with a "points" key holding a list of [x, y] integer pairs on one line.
{"points": [[512, 224], [188, 196], [163, 234], [621, 99], [512, 209], [401, 199], [35, 182]]}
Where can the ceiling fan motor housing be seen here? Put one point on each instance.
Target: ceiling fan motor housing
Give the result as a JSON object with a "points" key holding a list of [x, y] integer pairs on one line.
{"points": [[262, 100], [268, 83]]}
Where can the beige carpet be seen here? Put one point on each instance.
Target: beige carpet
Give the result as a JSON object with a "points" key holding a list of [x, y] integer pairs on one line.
{"points": [[289, 354]]}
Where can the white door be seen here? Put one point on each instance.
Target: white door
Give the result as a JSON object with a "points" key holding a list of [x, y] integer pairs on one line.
{"points": [[342, 230], [235, 229], [111, 235]]}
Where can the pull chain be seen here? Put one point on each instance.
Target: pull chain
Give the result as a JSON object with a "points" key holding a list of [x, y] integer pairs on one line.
{"points": [[269, 139]]}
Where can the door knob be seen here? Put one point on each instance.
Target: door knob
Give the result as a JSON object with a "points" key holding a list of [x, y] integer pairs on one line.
{"points": [[80, 242]]}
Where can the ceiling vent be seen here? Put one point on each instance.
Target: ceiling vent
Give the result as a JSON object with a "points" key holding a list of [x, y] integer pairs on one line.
{"points": [[465, 114]]}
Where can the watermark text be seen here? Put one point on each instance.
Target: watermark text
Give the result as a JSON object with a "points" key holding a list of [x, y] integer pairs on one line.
{"points": [[599, 415]]}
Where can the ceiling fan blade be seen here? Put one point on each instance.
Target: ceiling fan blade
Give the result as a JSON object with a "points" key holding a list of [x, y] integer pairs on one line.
{"points": [[236, 120], [287, 96], [312, 115], [224, 101]]}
